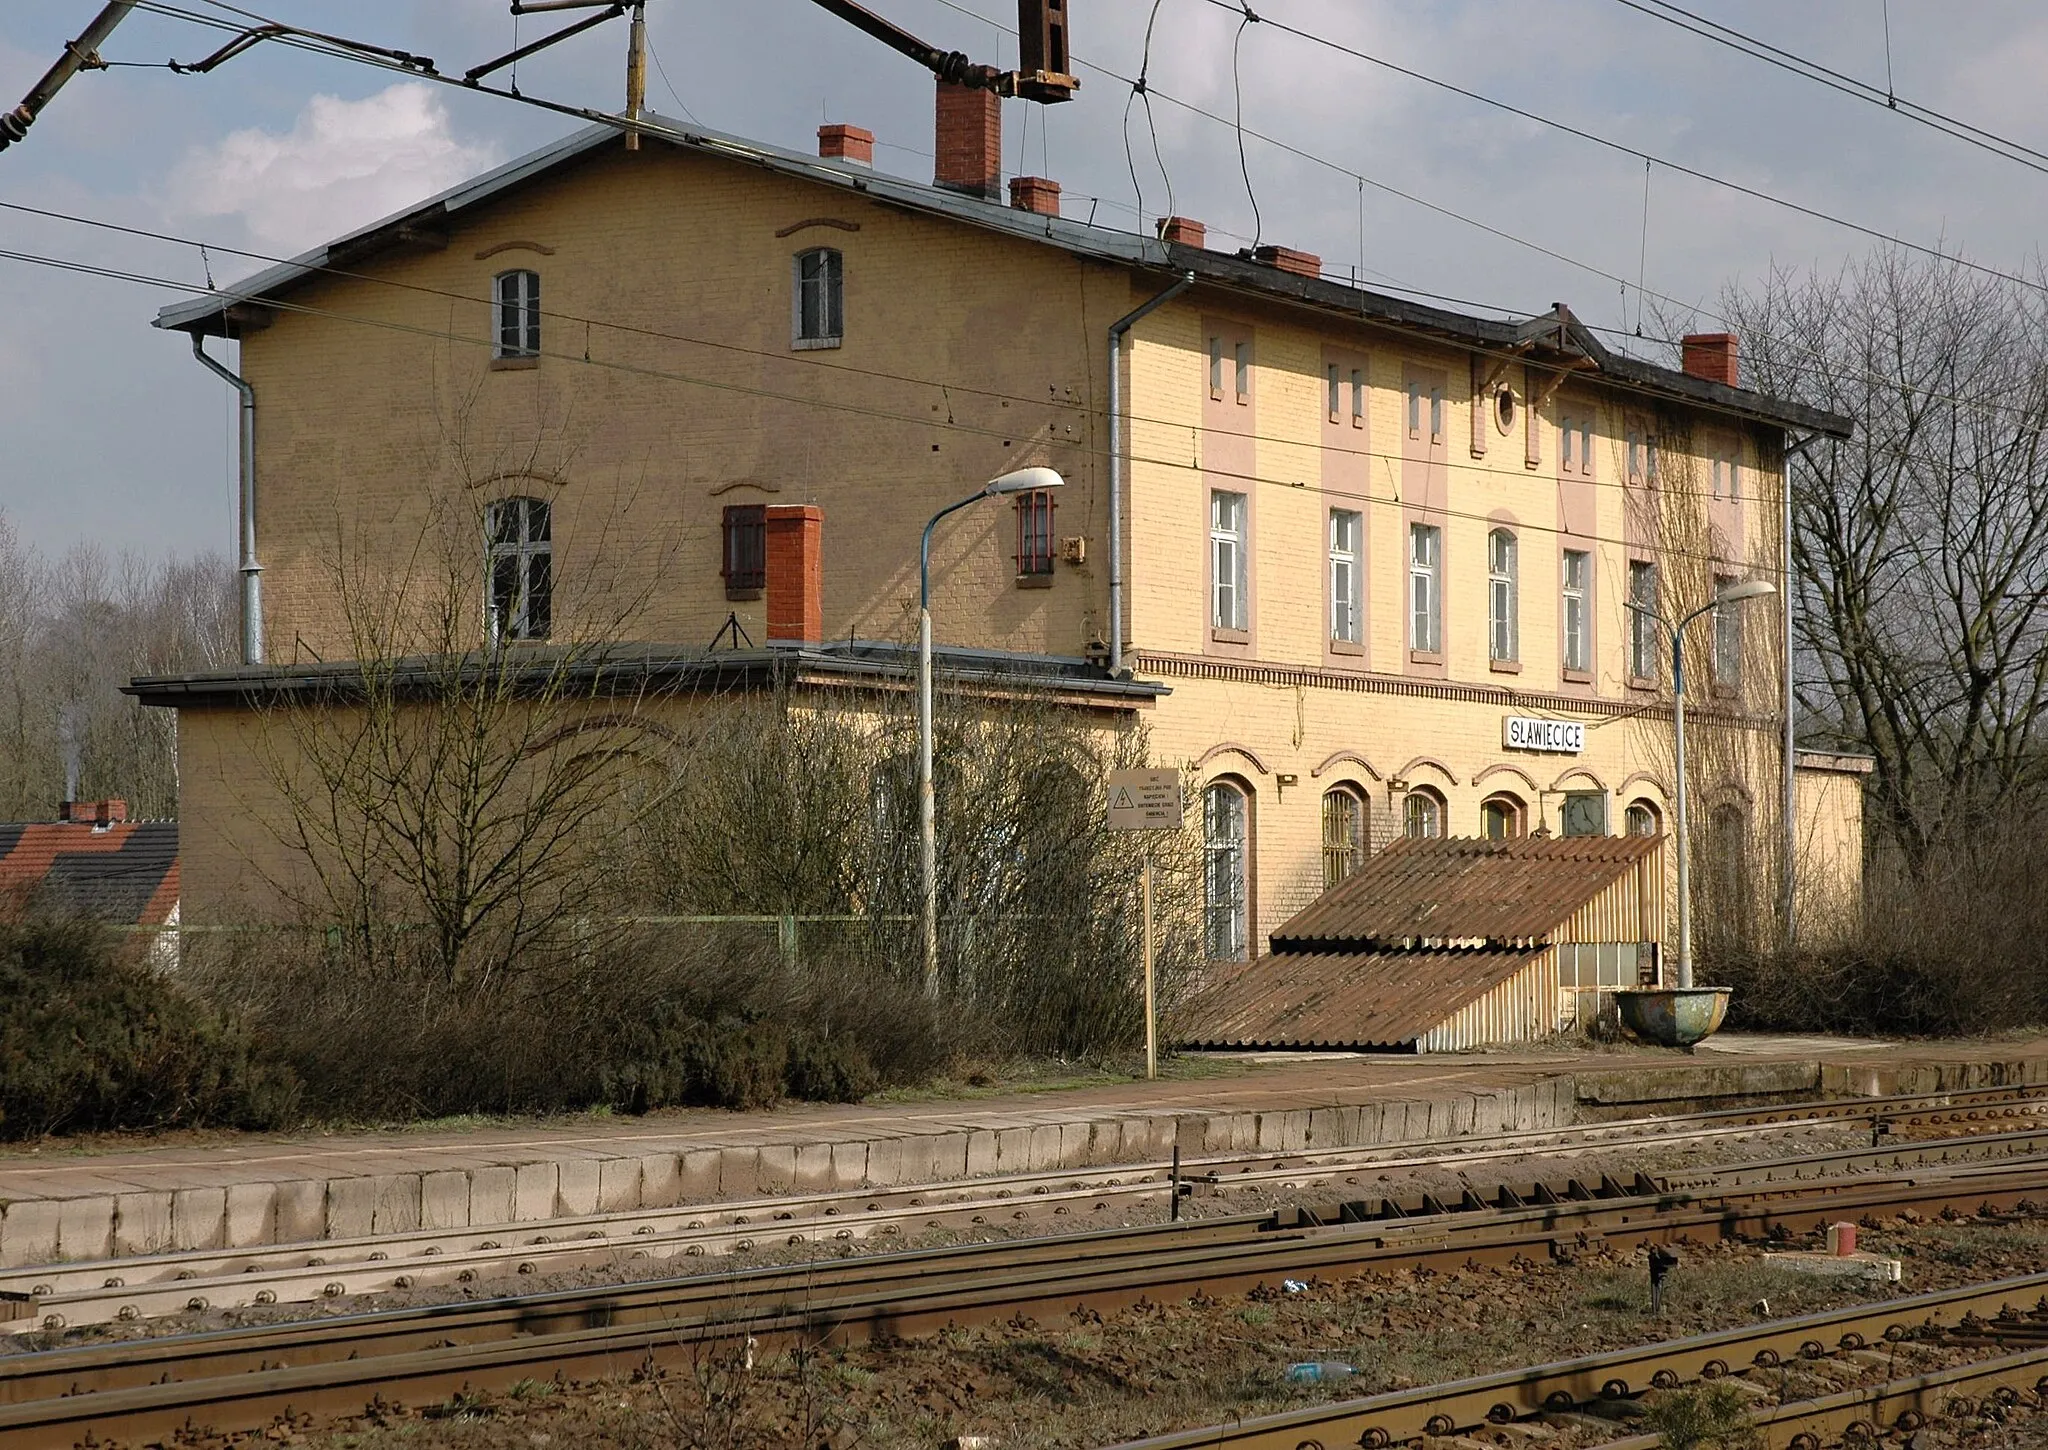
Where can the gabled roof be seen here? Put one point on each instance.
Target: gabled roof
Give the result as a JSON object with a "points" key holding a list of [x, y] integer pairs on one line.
{"points": [[1451, 892], [1555, 338], [125, 875]]}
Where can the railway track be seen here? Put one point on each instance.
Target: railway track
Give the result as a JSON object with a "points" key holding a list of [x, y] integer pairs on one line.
{"points": [[242, 1380], [1982, 1315], [56, 1297]]}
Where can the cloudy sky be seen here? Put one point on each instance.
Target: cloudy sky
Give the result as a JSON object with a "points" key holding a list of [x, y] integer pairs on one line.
{"points": [[109, 431]]}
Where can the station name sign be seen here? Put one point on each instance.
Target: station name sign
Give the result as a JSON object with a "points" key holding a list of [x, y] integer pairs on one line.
{"points": [[1557, 737]]}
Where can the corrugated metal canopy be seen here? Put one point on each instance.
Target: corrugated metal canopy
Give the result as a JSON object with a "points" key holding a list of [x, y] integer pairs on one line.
{"points": [[1433, 893], [1384, 999]]}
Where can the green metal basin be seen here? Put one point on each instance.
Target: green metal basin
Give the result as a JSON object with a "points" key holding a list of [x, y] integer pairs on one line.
{"points": [[1672, 1016]]}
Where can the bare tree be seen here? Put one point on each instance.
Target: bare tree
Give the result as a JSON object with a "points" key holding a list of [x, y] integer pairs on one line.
{"points": [[1921, 544]]}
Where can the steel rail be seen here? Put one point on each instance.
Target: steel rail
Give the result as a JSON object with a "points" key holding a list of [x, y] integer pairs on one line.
{"points": [[243, 1379], [1446, 1409], [142, 1286]]}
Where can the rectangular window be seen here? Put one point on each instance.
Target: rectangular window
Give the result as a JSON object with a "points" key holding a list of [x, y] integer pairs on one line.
{"points": [[1358, 397], [1336, 394], [746, 550], [1720, 478], [1501, 610], [1034, 533], [1578, 652], [1734, 477], [1229, 606], [820, 298], [1636, 471], [1643, 643], [1567, 427], [1436, 415], [1414, 409], [1727, 639], [1242, 354], [1586, 446], [1425, 596], [1347, 533], [1216, 368], [519, 553], [518, 315]]}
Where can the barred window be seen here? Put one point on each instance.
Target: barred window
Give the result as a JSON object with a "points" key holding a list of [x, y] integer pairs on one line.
{"points": [[520, 560], [1422, 813], [1343, 834], [745, 565], [1034, 533]]}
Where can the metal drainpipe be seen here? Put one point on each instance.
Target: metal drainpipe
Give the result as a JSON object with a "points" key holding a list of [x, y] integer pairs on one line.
{"points": [[252, 572], [1791, 791], [1117, 329]]}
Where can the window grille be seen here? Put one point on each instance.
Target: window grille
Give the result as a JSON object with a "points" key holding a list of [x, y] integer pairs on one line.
{"points": [[1034, 533]]}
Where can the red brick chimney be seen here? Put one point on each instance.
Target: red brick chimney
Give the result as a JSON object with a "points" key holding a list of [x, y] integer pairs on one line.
{"points": [[93, 813], [1035, 193], [1711, 355], [1185, 230], [846, 143], [1286, 259], [796, 572], [969, 150]]}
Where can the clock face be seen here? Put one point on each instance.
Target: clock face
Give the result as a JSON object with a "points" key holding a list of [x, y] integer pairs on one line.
{"points": [[1585, 814]]}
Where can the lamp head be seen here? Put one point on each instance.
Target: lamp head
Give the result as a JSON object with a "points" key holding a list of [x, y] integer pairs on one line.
{"points": [[1024, 480], [1748, 589]]}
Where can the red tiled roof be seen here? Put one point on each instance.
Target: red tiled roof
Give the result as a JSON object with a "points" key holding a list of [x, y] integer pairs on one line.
{"points": [[125, 874], [1422, 893], [1343, 999]]}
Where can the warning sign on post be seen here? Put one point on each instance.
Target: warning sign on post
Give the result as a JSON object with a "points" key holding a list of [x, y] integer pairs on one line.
{"points": [[1144, 800]]}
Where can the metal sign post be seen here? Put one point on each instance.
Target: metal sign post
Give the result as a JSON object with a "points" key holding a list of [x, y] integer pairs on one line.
{"points": [[1146, 800]]}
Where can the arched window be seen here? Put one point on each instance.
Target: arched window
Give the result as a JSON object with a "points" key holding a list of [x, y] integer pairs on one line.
{"points": [[819, 306], [1422, 813], [519, 562], [1500, 817], [1644, 819], [1343, 833], [1502, 606], [1226, 910], [518, 306]]}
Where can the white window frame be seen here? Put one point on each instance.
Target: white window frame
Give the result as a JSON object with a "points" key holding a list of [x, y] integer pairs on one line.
{"points": [[830, 285], [509, 614], [1229, 560], [1347, 593], [515, 309], [1576, 587], [1425, 589], [1644, 641], [1226, 839], [1503, 608]]}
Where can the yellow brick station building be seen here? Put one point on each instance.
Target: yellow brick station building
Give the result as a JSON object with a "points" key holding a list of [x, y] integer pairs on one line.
{"points": [[1358, 563]]}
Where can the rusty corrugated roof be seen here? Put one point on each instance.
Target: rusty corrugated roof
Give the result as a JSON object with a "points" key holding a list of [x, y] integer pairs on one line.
{"points": [[124, 874], [1343, 999], [1432, 893]]}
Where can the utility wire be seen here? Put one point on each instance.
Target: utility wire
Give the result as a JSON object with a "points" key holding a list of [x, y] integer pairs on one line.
{"points": [[1624, 149], [654, 129], [1834, 80], [1201, 469]]}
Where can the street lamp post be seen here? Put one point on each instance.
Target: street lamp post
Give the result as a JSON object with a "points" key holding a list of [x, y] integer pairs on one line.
{"points": [[1734, 594], [1023, 480]]}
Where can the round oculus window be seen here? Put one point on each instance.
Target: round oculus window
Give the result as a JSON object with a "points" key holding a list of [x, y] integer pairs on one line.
{"points": [[1504, 409]]}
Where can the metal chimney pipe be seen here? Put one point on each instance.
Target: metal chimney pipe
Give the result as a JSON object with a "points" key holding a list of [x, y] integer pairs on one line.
{"points": [[252, 572]]}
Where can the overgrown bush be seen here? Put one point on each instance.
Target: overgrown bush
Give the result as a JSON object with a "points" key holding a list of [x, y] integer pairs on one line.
{"points": [[92, 1040], [1958, 947]]}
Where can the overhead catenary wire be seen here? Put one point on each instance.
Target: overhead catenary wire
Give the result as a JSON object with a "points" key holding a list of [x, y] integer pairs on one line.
{"points": [[1835, 80]]}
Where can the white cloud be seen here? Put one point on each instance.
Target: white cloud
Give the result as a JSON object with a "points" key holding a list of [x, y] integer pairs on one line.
{"points": [[342, 165]]}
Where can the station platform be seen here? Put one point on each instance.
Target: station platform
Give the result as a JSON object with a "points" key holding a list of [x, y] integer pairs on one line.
{"points": [[101, 1199]]}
